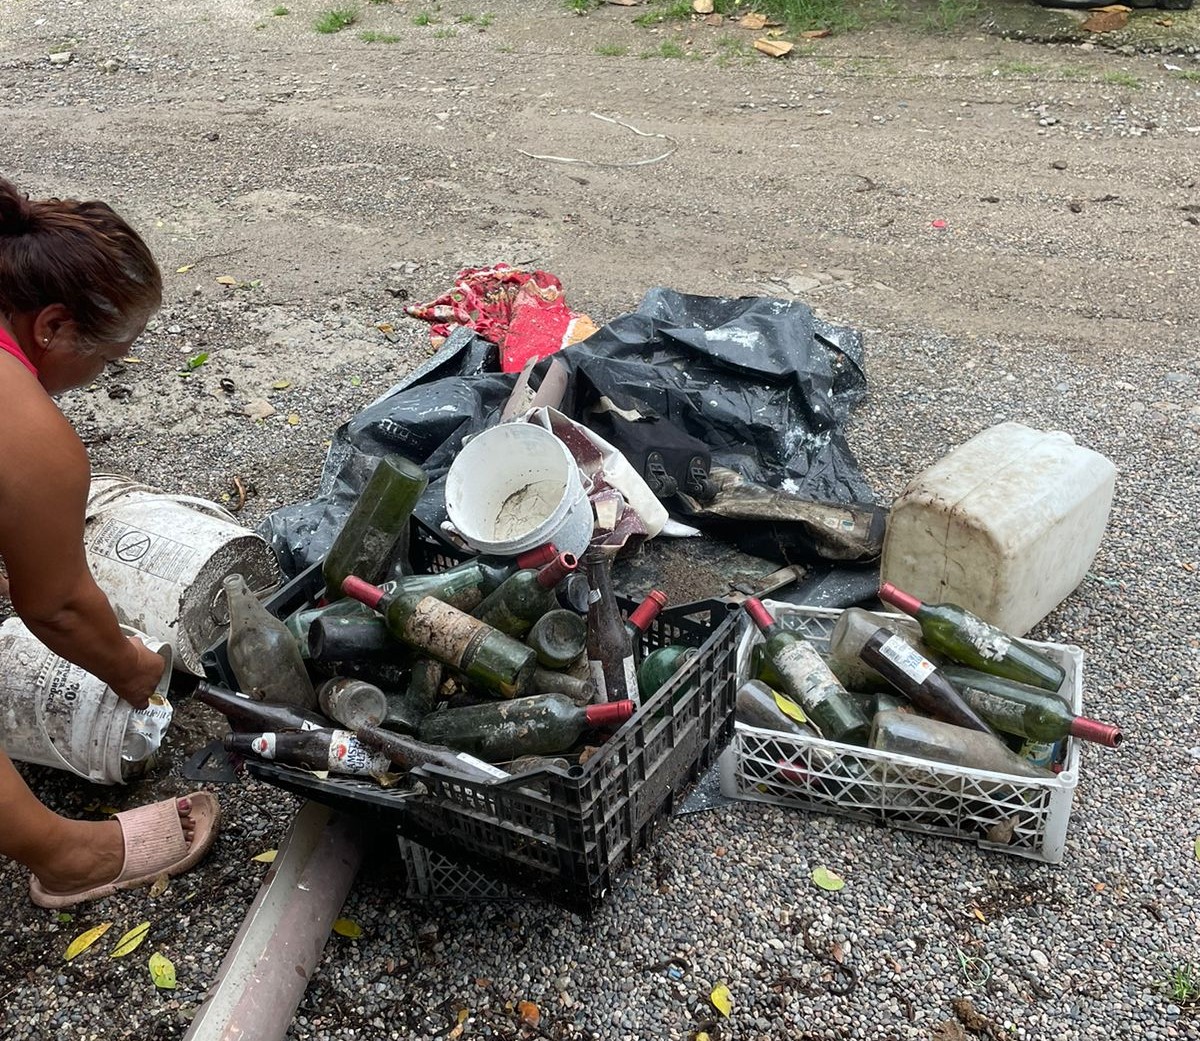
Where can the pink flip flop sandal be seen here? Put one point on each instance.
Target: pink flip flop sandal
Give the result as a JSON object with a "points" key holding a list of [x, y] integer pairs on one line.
{"points": [[154, 845]]}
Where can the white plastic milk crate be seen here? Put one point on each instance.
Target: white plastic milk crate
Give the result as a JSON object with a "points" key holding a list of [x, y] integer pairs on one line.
{"points": [[1018, 815]]}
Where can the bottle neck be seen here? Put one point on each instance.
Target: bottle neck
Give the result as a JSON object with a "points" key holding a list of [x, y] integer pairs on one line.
{"points": [[538, 557], [609, 715], [647, 610], [889, 594], [558, 569], [1093, 730], [760, 616], [599, 570], [363, 592]]}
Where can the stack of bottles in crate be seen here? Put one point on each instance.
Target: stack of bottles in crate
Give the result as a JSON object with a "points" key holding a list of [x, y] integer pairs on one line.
{"points": [[522, 661], [943, 685]]}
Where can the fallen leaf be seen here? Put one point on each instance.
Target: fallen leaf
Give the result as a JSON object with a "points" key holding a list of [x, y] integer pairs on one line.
{"points": [[463, 1015], [266, 857], [828, 880], [348, 928], [259, 408], [456, 1032], [1164, 21], [721, 999], [184, 269], [702, 1036], [130, 360], [1099, 887], [196, 360], [816, 34], [1102, 21], [161, 881], [702, 6], [356, 381], [131, 941], [64, 917], [281, 384], [226, 280], [838, 953], [529, 1012], [293, 420], [752, 21], [84, 940], [386, 327], [162, 971], [774, 48], [1197, 847], [715, 20], [790, 709], [979, 914]]}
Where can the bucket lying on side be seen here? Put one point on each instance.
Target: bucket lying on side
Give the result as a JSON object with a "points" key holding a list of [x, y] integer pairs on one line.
{"points": [[161, 560], [55, 714], [515, 487]]}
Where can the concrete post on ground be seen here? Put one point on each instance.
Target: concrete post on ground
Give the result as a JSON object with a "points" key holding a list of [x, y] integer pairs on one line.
{"points": [[263, 977]]}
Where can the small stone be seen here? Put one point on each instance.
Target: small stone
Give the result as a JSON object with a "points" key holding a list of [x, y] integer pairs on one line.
{"points": [[61, 57], [989, 198], [798, 284], [1042, 961], [1058, 164], [1075, 206], [174, 330], [119, 390], [109, 66], [212, 135]]}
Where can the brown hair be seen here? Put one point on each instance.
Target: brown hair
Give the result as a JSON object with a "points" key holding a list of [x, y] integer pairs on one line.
{"points": [[78, 254]]}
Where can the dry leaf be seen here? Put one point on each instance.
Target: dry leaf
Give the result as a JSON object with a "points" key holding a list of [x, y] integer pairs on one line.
{"points": [[774, 48], [386, 327], [1164, 21], [293, 420], [702, 6], [1197, 848], [131, 941], [529, 1012], [721, 999], [838, 953], [815, 34], [752, 21], [184, 269], [281, 384], [162, 971], [715, 20], [1002, 831], [348, 928], [456, 1032], [828, 880], [84, 940], [1100, 886], [463, 1015], [979, 914], [266, 857], [159, 885], [227, 280], [1106, 21]]}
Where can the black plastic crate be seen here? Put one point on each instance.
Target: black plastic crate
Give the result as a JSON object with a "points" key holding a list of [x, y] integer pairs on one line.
{"points": [[562, 834]]}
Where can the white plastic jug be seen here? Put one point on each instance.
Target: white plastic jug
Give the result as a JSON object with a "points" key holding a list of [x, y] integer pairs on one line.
{"points": [[55, 714], [161, 560], [1006, 525]]}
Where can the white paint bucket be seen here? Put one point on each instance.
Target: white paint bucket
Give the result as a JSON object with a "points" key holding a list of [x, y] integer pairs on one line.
{"points": [[161, 560], [515, 487], [55, 714]]}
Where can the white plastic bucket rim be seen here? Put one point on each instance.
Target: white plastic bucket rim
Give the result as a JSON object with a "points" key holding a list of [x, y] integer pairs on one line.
{"points": [[500, 464]]}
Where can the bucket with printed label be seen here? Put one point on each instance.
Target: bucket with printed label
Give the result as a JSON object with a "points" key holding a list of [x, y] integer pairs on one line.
{"points": [[161, 559], [55, 714]]}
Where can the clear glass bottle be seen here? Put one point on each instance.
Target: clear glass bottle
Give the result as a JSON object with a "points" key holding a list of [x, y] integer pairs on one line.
{"points": [[263, 654], [922, 738]]}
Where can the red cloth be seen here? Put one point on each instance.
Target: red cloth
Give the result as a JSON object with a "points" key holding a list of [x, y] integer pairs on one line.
{"points": [[7, 343], [523, 312]]}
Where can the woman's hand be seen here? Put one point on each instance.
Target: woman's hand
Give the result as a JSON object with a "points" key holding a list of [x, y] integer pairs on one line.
{"points": [[144, 676]]}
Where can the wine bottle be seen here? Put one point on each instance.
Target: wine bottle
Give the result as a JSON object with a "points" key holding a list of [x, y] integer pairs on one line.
{"points": [[350, 638], [337, 751], [263, 655], [299, 623], [523, 598], [541, 725], [659, 666], [641, 617], [244, 713], [558, 638], [467, 584], [367, 538], [757, 705], [854, 627], [922, 738], [352, 703], [805, 678], [609, 649], [968, 639], [546, 681], [405, 711], [482, 654], [918, 679], [1031, 712], [407, 753]]}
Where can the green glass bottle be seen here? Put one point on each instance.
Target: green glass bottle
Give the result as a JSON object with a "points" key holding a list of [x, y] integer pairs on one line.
{"points": [[757, 705], [906, 733], [1030, 712], [368, 537], [806, 679], [525, 596], [558, 638], [443, 632], [659, 666], [969, 640]]}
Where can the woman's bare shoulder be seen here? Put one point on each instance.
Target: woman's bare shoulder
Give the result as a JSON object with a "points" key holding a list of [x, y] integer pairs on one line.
{"points": [[38, 446]]}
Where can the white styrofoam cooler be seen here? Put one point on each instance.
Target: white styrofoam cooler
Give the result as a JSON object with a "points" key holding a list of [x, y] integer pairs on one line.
{"points": [[1023, 816]]}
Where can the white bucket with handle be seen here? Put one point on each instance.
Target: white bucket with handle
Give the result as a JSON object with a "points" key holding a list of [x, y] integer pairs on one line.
{"points": [[161, 560], [55, 714]]}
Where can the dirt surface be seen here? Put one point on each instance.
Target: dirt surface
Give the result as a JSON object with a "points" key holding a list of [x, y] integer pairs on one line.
{"points": [[1013, 224]]}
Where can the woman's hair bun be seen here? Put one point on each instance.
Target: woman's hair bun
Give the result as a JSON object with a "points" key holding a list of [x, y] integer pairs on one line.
{"points": [[15, 211]]}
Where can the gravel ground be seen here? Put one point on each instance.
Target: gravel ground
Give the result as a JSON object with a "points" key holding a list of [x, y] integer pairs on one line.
{"points": [[329, 178]]}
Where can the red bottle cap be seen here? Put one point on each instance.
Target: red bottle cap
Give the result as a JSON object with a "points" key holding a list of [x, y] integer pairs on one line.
{"points": [[648, 609], [1093, 730], [759, 615], [362, 591], [537, 557], [551, 574], [610, 715], [889, 594]]}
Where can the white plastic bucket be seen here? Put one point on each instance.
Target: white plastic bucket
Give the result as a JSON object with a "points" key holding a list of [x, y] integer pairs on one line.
{"points": [[55, 714], [515, 487], [161, 560]]}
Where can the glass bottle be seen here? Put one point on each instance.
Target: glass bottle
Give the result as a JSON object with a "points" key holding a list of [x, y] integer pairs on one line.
{"points": [[558, 638], [406, 753], [805, 678], [757, 705], [337, 751], [609, 649], [454, 638], [922, 738], [352, 703], [968, 639], [659, 666], [351, 638], [641, 617], [547, 681], [1031, 712], [263, 655], [244, 713], [541, 725], [524, 597], [405, 711], [852, 630], [368, 537]]}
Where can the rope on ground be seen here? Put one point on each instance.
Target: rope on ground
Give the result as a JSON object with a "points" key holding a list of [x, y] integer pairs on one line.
{"points": [[612, 166]]}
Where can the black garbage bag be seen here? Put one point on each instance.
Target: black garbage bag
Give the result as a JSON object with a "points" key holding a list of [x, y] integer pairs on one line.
{"points": [[765, 384]]}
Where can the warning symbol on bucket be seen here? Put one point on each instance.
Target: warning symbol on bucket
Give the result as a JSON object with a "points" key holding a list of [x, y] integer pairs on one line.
{"points": [[132, 546]]}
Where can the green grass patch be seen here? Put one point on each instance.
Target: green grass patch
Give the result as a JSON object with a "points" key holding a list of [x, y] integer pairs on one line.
{"points": [[1121, 79], [1183, 984], [334, 21], [423, 18], [1016, 68], [507, 48], [371, 36], [280, 11], [611, 50], [580, 6], [1192, 75], [484, 20], [465, 19]]}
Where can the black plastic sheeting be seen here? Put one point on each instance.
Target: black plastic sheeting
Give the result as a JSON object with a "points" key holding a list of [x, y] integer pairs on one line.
{"points": [[764, 383]]}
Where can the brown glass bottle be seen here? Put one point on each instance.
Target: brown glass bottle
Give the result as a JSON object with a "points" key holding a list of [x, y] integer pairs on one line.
{"points": [[609, 648]]}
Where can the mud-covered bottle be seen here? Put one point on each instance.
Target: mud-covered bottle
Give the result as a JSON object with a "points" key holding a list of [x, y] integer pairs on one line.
{"points": [[609, 648], [246, 714], [353, 638], [263, 655], [337, 751], [804, 677], [541, 725], [558, 638], [969, 640], [757, 705], [352, 703], [406, 753], [922, 738], [524, 597], [443, 632], [405, 711], [550, 681], [367, 540]]}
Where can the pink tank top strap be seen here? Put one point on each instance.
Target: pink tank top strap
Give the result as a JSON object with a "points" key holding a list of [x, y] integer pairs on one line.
{"points": [[10, 346]]}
